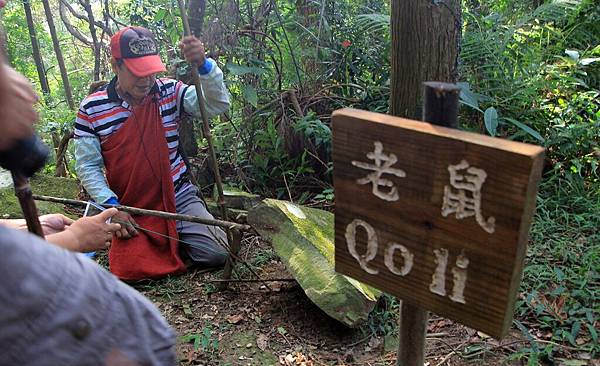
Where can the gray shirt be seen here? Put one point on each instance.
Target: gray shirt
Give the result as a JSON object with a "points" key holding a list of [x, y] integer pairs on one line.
{"points": [[60, 308]]}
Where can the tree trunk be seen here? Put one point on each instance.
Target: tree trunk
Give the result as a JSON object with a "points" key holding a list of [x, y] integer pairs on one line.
{"points": [[196, 11], [37, 56], [187, 135], [425, 47], [59, 56], [88, 9], [60, 159]]}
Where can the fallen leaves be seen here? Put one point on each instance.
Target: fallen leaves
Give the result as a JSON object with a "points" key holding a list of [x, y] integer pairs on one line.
{"points": [[262, 341], [235, 318], [295, 359]]}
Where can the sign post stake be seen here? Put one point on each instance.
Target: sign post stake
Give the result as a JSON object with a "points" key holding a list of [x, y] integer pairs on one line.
{"points": [[440, 108]]}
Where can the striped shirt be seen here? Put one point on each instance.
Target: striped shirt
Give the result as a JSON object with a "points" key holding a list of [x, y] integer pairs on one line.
{"points": [[103, 113]]}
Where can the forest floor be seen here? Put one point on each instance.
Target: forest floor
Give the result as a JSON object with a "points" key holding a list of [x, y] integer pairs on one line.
{"points": [[248, 324]]}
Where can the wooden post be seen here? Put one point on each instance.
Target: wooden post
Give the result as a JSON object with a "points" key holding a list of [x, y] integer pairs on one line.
{"points": [[440, 108], [235, 241], [30, 213], [441, 103]]}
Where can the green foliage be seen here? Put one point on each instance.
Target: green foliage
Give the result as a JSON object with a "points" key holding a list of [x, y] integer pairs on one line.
{"points": [[204, 340], [312, 128], [535, 77], [383, 320], [272, 166], [560, 291]]}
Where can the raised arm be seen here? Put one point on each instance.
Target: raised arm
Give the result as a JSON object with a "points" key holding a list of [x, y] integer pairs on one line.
{"points": [[216, 96]]}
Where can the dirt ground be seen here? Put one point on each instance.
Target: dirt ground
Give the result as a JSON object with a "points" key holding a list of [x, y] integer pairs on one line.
{"points": [[250, 324]]}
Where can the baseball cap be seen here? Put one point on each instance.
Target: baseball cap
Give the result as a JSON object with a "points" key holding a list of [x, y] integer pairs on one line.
{"points": [[138, 50]]}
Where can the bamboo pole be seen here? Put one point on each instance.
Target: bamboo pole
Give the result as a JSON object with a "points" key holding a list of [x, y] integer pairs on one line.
{"points": [[234, 237], [205, 125], [141, 211]]}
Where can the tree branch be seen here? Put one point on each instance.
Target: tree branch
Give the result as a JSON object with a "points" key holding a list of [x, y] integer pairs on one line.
{"points": [[85, 18], [74, 31]]}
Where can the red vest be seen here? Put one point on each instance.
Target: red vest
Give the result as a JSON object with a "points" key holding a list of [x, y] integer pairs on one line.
{"points": [[136, 158]]}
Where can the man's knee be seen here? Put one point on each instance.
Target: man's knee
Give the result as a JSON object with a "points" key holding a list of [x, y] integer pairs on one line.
{"points": [[218, 258], [207, 254]]}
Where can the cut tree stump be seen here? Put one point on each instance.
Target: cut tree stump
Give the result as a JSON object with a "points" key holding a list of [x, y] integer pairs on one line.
{"points": [[303, 238]]}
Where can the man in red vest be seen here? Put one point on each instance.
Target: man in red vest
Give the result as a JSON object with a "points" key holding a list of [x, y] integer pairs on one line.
{"points": [[128, 128]]}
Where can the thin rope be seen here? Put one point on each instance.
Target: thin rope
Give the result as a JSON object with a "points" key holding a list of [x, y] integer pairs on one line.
{"points": [[217, 240]]}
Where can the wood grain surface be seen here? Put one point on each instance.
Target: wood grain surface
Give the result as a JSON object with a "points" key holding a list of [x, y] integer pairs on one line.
{"points": [[415, 221]]}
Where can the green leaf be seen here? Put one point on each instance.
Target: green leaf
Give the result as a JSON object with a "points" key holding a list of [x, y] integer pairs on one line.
{"points": [[490, 117], [575, 332], [467, 97], [533, 133], [250, 95], [160, 15], [558, 291], [572, 54], [593, 332], [192, 337], [243, 70], [560, 275]]}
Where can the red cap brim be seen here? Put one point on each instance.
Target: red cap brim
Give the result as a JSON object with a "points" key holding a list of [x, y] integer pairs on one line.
{"points": [[145, 66]]}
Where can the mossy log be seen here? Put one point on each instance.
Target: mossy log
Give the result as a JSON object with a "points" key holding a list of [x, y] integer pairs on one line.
{"points": [[40, 184], [304, 240]]}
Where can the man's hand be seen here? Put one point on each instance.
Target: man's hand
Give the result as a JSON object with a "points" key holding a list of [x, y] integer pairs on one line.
{"points": [[127, 222], [54, 223], [193, 50], [16, 103], [88, 233], [92, 232]]}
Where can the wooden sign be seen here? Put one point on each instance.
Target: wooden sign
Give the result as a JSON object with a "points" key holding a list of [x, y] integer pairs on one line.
{"points": [[435, 216]]}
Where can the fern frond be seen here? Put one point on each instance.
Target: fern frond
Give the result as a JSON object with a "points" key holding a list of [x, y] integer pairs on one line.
{"points": [[376, 24]]}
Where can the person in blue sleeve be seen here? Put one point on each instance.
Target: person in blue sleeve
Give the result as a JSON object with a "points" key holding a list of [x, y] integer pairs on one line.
{"points": [[126, 151]]}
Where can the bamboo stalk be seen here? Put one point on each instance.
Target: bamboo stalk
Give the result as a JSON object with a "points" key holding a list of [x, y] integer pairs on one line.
{"points": [[141, 211], [206, 126]]}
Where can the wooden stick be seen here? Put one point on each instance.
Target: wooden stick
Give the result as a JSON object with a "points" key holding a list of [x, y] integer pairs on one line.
{"points": [[441, 103], [205, 125], [30, 212], [440, 108], [235, 240], [256, 280], [141, 211]]}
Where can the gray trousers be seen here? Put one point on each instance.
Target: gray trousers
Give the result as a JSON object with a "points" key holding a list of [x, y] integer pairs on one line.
{"points": [[203, 244]]}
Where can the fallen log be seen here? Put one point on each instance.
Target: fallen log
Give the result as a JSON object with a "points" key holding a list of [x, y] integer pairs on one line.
{"points": [[304, 240]]}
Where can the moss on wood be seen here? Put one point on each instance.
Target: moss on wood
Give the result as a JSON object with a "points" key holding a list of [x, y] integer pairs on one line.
{"points": [[304, 240]]}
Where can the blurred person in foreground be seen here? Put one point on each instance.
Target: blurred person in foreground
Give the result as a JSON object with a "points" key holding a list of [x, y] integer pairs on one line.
{"points": [[56, 306]]}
